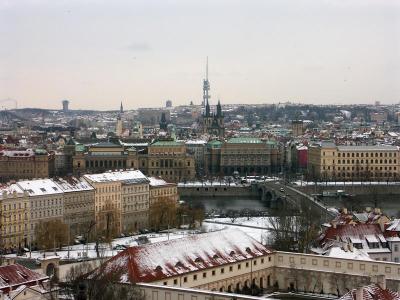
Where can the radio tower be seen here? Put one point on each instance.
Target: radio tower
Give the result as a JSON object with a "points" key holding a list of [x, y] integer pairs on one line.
{"points": [[206, 88]]}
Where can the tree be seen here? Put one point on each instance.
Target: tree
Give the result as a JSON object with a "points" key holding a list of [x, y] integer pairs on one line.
{"points": [[162, 213], [84, 283], [51, 234]]}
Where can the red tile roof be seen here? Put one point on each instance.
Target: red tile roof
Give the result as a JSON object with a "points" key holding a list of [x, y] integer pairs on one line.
{"points": [[152, 262], [12, 276], [372, 292]]}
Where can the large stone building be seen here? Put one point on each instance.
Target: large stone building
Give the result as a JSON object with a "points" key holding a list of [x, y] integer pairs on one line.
{"points": [[230, 261], [26, 164], [14, 217], [104, 156], [169, 160], [332, 162]]}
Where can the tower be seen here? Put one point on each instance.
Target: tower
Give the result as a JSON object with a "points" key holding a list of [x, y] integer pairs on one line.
{"points": [[121, 108], [163, 122], [118, 129], [206, 88], [65, 104]]}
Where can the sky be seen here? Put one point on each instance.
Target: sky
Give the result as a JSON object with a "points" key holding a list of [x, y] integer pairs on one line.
{"points": [[143, 52]]}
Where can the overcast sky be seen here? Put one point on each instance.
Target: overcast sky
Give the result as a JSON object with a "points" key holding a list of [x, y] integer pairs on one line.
{"points": [[98, 53]]}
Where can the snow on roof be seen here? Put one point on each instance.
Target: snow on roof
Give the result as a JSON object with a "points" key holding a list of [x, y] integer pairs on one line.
{"points": [[157, 182], [394, 225], [10, 189], [152, 262], [73, 184], [195, 142], [40, 187], [15, 275], [372, 292], [371, 238], [354, 254], [18, 153], [116, 176]]}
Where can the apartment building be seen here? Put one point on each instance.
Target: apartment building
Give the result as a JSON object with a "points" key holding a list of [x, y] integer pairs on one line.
{"points": [[26, 164], [14, 217], [107, 203], [160, 190], [46, 202], [135, 201], [329, 161], [121, 201], [79, 205]]}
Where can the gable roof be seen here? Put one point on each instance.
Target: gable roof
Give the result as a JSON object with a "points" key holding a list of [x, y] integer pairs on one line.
{"points": [[15, 275], [152, 262]]}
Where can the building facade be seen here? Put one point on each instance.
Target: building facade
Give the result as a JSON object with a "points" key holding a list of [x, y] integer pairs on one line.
{"points": [[104, 156], [26, 164], [328, 161], [14, 217], [79, 205], [46, 202], [168, 160]]}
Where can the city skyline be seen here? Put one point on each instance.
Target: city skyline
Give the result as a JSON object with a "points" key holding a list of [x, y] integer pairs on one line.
{"points": [[96, 54]]}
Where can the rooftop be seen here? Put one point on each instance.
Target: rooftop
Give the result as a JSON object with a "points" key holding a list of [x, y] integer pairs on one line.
{"points": [[152, 262], [244, 140], [132, 176], [167, 143], [40, 187]]}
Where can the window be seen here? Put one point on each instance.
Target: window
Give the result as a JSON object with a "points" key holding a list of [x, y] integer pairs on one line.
{"points": [[175, 281], [213, 273], [262, 260], [204, 275], [222, 271], [230, 269], [195, 277], [247, 265], [185, 279], [165, 283], [239, 266]]}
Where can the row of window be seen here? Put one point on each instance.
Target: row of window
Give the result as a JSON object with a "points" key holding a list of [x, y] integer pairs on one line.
{"points": [[380, 161], [363, 154], [221, 270]]}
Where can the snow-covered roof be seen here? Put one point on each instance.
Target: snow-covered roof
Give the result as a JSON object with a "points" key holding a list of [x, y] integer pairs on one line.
{"points": [[131, 175], [10, 189], [394, 225], [157, 182], [73, 184], [354, 254], [15, 275], [152, 262], [372, 292], [40, 187]]}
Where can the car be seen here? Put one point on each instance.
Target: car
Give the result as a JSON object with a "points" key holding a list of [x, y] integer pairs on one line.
{"points": [[282, 190]]}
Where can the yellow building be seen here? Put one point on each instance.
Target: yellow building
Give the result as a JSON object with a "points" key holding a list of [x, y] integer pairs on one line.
{"points": [[121, 201], [160, 189], [14, 217], [328, 161], [168, 160], [46, 202]]}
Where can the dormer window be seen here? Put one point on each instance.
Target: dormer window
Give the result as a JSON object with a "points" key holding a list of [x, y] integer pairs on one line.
{"points": [[215, 256], [248, 250], [232, 253], [178, 265], [22, 274], [198, 260], [5, 279], [158, 268]]}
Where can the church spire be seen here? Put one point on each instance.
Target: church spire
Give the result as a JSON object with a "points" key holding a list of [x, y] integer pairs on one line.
{"points": [[121, 108], [206, 88]]}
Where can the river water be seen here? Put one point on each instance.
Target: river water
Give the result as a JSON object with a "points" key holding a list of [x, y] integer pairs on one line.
{"points": [[221, 205]]}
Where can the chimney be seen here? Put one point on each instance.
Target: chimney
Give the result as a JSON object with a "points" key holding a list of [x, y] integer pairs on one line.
{"points": [[344, 210], [334, 223], [351, 247], [377, 211], [379, 280], [360, 293]]}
